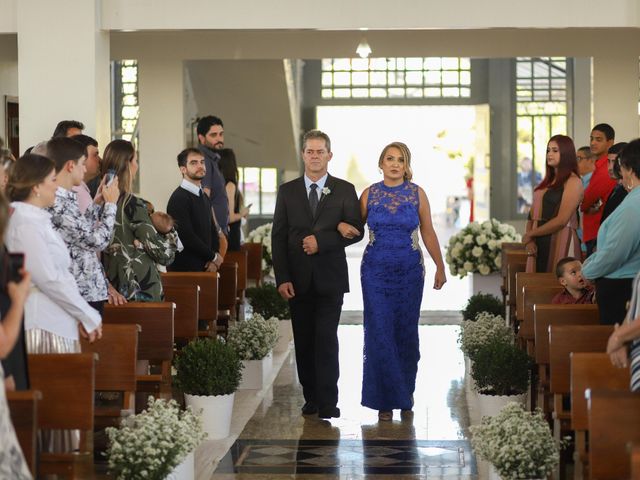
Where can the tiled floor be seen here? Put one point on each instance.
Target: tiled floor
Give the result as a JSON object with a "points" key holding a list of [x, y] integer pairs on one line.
{"points": [[279, 443]]}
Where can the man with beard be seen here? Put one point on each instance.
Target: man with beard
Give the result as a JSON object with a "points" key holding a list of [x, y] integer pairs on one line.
{"points": [[211, 140], [191, 210]]}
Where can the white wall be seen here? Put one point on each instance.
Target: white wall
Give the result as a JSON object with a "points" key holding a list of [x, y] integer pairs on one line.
{"points": [[354, 14]]}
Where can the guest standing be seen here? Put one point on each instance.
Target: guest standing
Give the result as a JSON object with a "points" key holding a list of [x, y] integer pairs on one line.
{"points": [[229, 170], [132, 271], [551, 230], [618, 193], [397, 212], [617, 260]]}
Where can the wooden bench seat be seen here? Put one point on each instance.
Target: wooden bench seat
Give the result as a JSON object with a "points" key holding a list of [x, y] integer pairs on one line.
{"points": [[187, 313], [614, 423], [23, 407], [590, 371], [66, 382], [254, 263]]}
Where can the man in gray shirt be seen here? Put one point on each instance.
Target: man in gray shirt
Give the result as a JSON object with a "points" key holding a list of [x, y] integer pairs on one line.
{"points": [[211, 139]]}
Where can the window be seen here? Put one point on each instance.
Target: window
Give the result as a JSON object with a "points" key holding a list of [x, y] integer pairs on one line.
{"points": [[259, 187], [127, 108], [541, 112], [431, 77]]}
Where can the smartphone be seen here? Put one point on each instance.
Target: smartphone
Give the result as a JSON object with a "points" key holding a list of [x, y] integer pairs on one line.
{"points": [[248, 206], [111, 174], [16, 263]]}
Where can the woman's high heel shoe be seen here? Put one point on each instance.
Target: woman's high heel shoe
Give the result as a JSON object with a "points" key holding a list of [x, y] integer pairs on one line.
{"points": [[385, 415]]}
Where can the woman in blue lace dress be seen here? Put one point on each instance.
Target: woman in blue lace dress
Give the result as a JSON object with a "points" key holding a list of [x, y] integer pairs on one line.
{"points": [[397, 213]]}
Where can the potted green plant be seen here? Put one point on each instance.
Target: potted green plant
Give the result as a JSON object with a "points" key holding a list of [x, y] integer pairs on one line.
{"points": [[253, 341], [482, 302], [208, 372], [173, 433], [501, 372], [517, 443], [267, 302]]}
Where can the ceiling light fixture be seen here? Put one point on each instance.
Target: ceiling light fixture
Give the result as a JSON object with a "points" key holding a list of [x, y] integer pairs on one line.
{"points": [[363, 50]]}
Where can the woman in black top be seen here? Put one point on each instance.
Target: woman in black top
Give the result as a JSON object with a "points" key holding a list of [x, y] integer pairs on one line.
{"points": [[229, 169]]}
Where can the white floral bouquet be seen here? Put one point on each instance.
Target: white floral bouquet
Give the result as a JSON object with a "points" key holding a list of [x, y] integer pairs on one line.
{"points": [[477, 247], [262, 234], [518, 443], [151, 444], [253, 339], [486, 327]]}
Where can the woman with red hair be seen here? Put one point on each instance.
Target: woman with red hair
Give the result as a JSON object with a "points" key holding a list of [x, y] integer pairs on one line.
{"points": [[551, 229]]}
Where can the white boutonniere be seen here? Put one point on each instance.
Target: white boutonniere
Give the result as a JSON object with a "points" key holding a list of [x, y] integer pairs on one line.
{"points": [[326, 191]]}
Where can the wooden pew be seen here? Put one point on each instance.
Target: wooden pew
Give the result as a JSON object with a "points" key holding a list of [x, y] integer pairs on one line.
{"points": [[531, 279], [614, 422], [254, 263], [155, 341], [545, 315], [67, 385], [208, 295], [531, 296], [186, 298], [242, 260], [23, 406], [635, 461], [228, 287], [117, 352], [563, 341], [516, 261], [590, 371]]}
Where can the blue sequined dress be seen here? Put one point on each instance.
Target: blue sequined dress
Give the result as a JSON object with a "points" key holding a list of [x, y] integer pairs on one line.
{"points": [[392, 275]]}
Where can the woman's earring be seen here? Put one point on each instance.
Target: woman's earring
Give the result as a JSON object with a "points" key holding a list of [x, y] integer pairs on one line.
{"points": [[37, 194]]}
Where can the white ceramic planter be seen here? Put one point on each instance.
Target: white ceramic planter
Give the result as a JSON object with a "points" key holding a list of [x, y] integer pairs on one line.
{"points": [[486, 283], [256, 372], [490, 405], [185, 470], [216, 411], [285, 336]]}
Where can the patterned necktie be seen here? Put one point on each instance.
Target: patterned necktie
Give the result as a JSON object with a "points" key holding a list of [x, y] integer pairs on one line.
{"points": [[313, 198]]}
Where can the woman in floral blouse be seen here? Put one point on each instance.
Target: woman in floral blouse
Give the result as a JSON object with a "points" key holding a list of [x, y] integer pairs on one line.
{"points": [[136, 247]]}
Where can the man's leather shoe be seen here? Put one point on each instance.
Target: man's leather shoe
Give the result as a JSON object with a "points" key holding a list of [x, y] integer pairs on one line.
{"points": [[329, 412], [309, 408]]}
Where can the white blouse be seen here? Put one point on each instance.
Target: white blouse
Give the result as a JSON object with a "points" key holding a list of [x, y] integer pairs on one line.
{"points": [[54, 304]]}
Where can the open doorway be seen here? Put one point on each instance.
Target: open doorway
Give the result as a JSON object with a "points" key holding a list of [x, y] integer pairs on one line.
{"points": [[448, 145]]}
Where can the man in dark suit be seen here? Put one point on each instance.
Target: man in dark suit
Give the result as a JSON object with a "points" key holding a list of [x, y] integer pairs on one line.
{"points": [[311, 268], [190, 208]]}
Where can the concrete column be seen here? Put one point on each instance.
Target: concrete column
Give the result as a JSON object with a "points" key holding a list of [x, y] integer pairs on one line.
{"points": [[582, 113], [615, 91], [161, 124], [63, 68]]}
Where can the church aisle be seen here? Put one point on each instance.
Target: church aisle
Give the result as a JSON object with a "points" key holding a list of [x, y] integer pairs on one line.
{"points": [[278, 442]]}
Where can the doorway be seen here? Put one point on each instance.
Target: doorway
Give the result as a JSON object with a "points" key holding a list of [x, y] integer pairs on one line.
{"points": [[448, 145]]}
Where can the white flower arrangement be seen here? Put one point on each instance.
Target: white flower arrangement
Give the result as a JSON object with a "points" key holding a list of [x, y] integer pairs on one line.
{"points": [[477, 247], [253, 339], [151, 444], [475, 333], [518, 443], [262, 234], [326, 191]]}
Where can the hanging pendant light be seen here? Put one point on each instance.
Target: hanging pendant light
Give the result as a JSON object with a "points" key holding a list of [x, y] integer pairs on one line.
{"points": [[363, 50]]}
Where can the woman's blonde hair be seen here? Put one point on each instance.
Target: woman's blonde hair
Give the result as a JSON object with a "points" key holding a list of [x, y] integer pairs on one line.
{"points": [[118, 156], [405, 153]]}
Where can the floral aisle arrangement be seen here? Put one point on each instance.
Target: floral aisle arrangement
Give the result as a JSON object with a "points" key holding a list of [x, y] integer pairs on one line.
{"points": [[151, 444], [477, 247], [485, 328], [262, 234], [482, 302], [266, 301], [518, 443], [500, 368], [253, 339]]}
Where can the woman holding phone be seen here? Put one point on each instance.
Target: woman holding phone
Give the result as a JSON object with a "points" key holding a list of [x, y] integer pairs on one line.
{"points": [[237, 212]]}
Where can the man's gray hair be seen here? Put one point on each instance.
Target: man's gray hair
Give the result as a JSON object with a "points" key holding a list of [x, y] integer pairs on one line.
{"points": [[319, 134]]}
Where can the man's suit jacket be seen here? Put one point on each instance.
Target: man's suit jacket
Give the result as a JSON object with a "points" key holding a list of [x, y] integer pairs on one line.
{"points": [[293, 221]]}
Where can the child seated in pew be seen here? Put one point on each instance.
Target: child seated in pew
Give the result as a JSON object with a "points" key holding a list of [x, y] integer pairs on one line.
{"points": [[576, 288]]}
